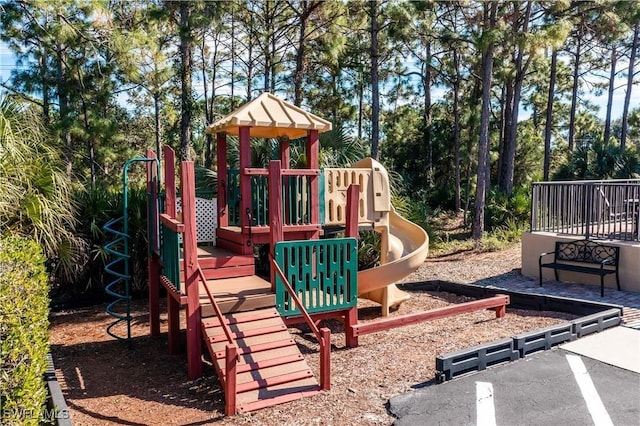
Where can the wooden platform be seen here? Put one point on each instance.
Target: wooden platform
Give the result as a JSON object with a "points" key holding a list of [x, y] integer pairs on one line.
{"points": [[237, 294], [270, 369]]}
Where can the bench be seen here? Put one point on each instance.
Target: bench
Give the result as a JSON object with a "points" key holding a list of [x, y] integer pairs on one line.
{"points": [[576, 256]]}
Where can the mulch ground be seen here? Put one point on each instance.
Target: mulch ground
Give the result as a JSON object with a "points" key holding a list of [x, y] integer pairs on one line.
{"points": [[104, 382]]}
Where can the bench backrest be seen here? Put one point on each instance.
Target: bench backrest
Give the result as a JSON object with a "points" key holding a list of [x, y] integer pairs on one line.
{"points": [[586, 251]]}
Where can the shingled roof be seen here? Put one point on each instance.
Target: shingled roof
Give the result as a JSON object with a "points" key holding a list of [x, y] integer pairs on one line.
{"points": [[270, 117]]}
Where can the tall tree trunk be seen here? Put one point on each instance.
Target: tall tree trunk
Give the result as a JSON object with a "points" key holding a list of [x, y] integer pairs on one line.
{"points": [[233, 56], [612, 76], [156, 113], [63, 104], [360, 102], [185, 78], [485, 115], [375, 83], [456, 129], [511, 142], [91, 152], [272, 87], [507, 106], [548, 126], [45, 87], [574, 93], [300, 65], [627, 96], [267, 44], [426, 82]]}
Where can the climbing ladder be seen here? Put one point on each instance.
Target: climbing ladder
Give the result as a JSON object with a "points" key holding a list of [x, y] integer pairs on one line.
{"points": [[120, 285]]}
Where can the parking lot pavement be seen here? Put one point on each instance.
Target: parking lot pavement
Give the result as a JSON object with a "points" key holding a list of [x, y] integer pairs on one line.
{"points": [[549, 388]]}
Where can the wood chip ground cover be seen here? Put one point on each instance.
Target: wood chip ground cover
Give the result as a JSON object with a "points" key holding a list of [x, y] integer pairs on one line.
{"points": [[106, 383]]}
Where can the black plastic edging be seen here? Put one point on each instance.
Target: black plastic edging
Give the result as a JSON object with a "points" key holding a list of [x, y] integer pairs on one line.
{"points": [[476, 358], [596, 322], [57, 410], [543, 339], [598, 316]]}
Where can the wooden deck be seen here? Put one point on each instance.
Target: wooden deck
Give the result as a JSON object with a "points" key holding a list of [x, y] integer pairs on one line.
{"points": [[237, 294]]}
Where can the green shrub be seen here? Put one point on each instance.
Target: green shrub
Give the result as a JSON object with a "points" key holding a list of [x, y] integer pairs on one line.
{"points": [[24, 307]]}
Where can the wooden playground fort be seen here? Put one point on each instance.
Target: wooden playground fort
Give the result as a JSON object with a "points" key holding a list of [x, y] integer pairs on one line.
{"points": [[201, 251]]}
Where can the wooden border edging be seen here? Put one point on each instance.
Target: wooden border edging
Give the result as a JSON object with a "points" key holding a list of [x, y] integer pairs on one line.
{"points": [[497, 302], [57, 410], [597, 316]]}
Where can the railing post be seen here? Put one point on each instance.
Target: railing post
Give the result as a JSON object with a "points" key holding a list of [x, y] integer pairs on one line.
{"points": [[325, 359], [223, 181], [231, 354], [194, 346], [589, 210], [275, 210], [173, 307], [153, 262], [351, 222]]}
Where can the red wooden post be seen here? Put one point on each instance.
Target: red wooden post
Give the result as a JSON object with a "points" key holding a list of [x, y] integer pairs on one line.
{"points": [[313, 162], [231, 354], [153, 262], [351, 222], [325, 359], [351, 230], [194, 346], [173, 307], [350, 321], [223, 184], [285, 153], [245, 188], [275, 210], [169, 181]]}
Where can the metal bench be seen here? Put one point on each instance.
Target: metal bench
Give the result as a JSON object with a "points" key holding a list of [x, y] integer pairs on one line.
{"points": [[576, 256]]}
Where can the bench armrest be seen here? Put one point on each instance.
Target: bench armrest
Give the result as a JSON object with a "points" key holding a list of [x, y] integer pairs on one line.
{"points": [[545, 254], [608, 261]]}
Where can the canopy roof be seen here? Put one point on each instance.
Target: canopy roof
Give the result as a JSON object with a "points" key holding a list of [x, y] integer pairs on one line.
{"points": [[270, 117]]}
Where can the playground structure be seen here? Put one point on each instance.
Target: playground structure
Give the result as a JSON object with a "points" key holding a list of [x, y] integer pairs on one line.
{"points": [[242, 317]]}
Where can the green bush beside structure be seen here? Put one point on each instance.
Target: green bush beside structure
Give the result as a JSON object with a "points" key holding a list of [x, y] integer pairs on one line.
{"points": [[24, 308]]}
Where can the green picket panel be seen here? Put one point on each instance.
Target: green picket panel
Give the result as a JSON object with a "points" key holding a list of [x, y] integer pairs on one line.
{"points": [[296, 201], [322, 273], [233, 197], [170, 255]]}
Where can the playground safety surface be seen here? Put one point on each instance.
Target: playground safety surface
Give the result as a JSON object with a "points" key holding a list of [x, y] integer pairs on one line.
{"points": [[105, 383]]}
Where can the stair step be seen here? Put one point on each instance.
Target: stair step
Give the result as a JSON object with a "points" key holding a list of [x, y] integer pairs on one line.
{"points": [[285, 376], [241, 317], [277, 395], [270, 368], [236, 294], [248, 333], [244, 367], [252, 344]]}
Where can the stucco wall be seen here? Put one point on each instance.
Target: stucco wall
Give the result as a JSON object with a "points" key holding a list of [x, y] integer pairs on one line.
{"points": [[535, 243]]}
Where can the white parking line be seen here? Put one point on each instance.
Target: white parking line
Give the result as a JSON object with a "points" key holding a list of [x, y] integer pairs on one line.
{"points": [[485, 410], [596, 408]]}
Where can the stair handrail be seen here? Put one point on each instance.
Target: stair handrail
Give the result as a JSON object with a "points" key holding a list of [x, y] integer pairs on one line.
{"points": [[216, 308], [231, 353], [323, 335]]}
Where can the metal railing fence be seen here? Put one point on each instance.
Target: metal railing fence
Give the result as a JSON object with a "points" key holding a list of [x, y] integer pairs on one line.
{"points": [[593, 209]]}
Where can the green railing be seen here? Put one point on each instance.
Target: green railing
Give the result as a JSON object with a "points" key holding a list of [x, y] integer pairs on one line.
{"points": [[322, 273], [170, 254], [295, 194]]}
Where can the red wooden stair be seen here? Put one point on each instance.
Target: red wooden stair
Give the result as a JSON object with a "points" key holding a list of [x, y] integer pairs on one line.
{"points": [[270, 369]]}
